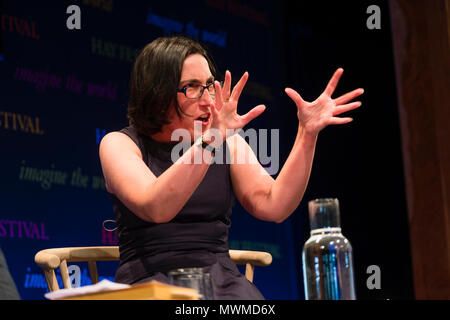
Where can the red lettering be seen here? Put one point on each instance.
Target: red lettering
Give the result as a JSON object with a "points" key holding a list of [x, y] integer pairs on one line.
{"points": [[11, 29], [21, 26], [35, 231], [11, 228], [31, 230], [18, 25], [28, 233], [109, 237], [26, 28], [2, 229], [34, 35], [43, 235], [4, 16], [19, 228]]}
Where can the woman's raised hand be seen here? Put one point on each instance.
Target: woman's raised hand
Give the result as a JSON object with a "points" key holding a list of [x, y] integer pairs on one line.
{"points": [[225, 114], [316, 115]]}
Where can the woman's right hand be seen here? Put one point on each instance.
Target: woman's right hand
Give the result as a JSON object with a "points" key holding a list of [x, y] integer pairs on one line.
{"points": [[224, 112]]}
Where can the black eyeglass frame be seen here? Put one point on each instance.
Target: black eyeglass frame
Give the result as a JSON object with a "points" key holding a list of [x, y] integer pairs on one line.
{"points": [[184, 89]]}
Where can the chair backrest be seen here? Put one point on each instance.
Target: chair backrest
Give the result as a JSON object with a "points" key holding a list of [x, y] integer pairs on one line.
{"points": [[51, 259]]}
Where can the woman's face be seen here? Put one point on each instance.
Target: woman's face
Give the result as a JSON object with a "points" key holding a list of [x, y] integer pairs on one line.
{"points": [[195, 72]]}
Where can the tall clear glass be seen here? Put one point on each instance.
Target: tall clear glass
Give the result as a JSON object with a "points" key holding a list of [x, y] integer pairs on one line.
{"points": [[327, 255]]}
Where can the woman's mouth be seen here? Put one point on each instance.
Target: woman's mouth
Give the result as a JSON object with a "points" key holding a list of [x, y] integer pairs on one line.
{"points": [[205, 118]]}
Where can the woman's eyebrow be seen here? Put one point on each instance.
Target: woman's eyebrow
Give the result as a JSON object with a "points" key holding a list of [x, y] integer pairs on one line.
{"points": [[210, 79]]}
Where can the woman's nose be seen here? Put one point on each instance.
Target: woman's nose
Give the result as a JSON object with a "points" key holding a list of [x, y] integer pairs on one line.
{"points": [[206, 97]]}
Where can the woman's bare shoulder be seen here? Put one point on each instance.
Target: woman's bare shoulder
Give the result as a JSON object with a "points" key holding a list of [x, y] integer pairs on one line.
{"points": [[117, 141]]}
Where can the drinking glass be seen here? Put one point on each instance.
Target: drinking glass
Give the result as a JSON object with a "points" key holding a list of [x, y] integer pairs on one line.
{"points": [[194, 278]]}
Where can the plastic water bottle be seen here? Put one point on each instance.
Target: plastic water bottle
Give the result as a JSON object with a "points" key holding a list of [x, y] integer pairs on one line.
{"points": [[327, 255]]}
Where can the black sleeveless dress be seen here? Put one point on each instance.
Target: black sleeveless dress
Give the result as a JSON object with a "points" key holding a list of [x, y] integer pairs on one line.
{"points": [[196, 237]]}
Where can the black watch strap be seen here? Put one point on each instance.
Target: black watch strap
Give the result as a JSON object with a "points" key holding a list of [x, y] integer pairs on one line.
{"points": [[208, 147]]}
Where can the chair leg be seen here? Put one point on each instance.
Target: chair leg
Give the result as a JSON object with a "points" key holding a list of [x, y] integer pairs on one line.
{"points": [[50, 277], [65, 274], [93, 271], [249, 271]]}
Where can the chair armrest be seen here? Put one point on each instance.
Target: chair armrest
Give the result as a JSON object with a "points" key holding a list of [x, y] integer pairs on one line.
{"points": [[256, 258], [52, 258], [47, 260]]}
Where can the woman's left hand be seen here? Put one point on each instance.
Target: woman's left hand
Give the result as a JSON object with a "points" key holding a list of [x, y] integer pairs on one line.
{"points": [[316, 115]]}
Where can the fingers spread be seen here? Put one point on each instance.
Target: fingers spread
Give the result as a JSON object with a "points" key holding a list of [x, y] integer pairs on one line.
{"points": [[215, 110], [332, 84], [218, 95], [294, 96], [226, 89], [349, 96], [336, 120], [252, 114], [237, 90], [346, 107]]}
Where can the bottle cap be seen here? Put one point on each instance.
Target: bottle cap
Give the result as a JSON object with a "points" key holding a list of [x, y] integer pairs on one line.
{"points": [[324, 213]]}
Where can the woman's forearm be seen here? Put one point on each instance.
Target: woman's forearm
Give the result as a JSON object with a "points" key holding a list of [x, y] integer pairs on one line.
{"points": [[289, 187], [172, 189]]}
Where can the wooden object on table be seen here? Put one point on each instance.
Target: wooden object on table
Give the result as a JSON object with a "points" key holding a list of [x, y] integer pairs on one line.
{"points": [[153, 290]]}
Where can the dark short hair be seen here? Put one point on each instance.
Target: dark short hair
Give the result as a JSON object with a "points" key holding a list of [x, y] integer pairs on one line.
{"points": [[155, 79]]}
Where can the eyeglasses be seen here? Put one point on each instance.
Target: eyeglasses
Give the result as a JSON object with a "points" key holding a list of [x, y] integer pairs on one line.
{"points": [[195, 91]]}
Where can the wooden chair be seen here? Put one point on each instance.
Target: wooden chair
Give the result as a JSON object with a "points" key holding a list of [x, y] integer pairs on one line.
{"points": [[51, 259]]}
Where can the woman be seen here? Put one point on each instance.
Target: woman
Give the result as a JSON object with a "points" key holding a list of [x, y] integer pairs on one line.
{"points": [[171, 215]]}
